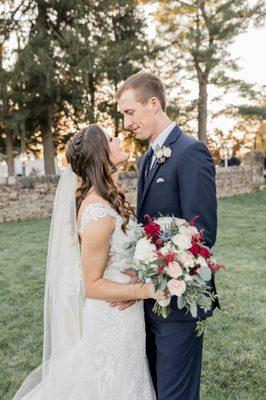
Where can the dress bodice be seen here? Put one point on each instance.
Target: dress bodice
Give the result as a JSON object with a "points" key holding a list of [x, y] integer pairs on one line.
{"points": [[120, 258]]}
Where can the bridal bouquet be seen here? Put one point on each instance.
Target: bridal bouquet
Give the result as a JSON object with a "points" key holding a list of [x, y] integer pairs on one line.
{"points": [[170, 253]]}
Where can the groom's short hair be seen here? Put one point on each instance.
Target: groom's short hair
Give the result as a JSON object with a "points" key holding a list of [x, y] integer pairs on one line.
{"points": [[146, 85]]}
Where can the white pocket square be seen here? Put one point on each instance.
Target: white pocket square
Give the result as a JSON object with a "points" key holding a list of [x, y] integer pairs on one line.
{"points": [[160, 180]]}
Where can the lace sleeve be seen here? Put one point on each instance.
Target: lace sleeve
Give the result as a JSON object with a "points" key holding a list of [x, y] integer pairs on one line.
{"points": [[95, 211]]}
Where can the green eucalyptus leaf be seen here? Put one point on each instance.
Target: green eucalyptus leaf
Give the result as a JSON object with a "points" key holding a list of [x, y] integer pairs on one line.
{"points": [[181, 302], [205, 273]]}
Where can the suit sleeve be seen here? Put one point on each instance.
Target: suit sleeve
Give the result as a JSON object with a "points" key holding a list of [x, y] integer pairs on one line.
{"points": [[197, 188]]}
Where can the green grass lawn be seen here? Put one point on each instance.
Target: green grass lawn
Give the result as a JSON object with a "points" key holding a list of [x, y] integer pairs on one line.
{"points": [[233, 364]]}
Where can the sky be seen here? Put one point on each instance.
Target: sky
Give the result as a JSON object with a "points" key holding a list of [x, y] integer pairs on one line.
{"points": [[249, 47]]}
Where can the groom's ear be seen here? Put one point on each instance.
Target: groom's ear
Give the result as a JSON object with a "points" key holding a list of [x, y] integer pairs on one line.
{"points": [[155, 104]]}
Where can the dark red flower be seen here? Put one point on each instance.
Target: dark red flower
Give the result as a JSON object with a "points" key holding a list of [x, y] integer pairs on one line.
{"points": [[170, 257], [158, 243], [193, 270], [214, 267], [195, 249], [167, 258], [153, 230], [192, 221], [205, 252], [148, 218], [198, 237], [195, 238], [201, 232], [160, 268]]}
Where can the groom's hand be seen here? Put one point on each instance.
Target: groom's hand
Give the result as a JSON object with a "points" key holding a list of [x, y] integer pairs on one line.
{"points": [[123, 305], [132, 274]]}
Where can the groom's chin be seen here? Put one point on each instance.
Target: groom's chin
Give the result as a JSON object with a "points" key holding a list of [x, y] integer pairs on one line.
{"points": [[141, 136]]}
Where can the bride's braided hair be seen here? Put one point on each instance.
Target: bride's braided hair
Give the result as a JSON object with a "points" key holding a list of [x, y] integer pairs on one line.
{"points": [[88, 153]]}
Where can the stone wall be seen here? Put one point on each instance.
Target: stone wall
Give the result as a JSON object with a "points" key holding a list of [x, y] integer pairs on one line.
{"points": [[27, 198], [32, 197], [238, 180]]}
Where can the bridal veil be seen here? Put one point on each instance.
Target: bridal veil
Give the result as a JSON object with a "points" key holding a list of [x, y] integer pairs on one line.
{"points": [[64, 293]]}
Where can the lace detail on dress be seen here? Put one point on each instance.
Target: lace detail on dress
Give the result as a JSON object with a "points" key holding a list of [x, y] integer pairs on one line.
{"points": [[71, 283], [94, 211]]}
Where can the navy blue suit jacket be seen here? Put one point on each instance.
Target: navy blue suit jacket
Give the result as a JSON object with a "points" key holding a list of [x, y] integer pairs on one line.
{"points": [[188, 188]]}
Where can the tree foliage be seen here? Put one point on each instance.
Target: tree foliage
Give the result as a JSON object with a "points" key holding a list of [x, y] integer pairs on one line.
{"points": [[199, 33]]}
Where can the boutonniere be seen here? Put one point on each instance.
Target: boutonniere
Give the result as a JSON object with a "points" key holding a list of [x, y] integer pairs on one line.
{"points": [[162, 153]]}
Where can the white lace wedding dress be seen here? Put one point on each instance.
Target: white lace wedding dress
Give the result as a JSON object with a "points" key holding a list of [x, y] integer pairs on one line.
{"points": [[109, 362]]}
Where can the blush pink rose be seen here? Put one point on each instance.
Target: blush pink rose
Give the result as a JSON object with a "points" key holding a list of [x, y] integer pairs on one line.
{"points": [[176, 288], [174, 269]]}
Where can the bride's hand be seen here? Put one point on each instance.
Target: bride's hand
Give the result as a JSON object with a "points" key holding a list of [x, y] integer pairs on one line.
{"points": [[158, 295]]}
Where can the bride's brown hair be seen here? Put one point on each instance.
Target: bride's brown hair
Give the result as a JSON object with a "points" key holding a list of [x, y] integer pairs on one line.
{"points": [[88, 153]]}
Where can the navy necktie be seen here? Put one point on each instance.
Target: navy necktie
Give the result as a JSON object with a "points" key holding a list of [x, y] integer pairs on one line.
{"points": [[148, 162]]}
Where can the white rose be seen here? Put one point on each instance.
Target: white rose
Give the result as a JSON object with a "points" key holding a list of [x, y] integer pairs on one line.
{"points": [[193, 230], [159, 153], [144, 251], [180, 221], [174, 269], [183, 242], [187, 230], [184, 230], [186, 259], [167, 152], [176, 288]]}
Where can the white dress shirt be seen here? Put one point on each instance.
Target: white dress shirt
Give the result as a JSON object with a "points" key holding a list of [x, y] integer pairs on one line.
{"points": [[161, 138]]}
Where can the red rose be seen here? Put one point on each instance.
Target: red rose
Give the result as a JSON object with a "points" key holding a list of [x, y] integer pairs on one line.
{"points": [[195, 249], [205, 252], [153, 230]]}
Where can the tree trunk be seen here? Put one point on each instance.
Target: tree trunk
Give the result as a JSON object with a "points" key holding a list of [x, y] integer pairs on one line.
{"points": [[92, 95], [117, 116], [48, 144], [116, 120], [202, 110], [9, 136], [9, 153]]}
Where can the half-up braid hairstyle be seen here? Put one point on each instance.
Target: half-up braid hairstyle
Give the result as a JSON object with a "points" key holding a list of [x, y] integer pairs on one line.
{"points": [[88, 153]]}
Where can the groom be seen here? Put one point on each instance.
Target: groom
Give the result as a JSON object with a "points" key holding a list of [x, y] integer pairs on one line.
{"points": [[183, 185]]}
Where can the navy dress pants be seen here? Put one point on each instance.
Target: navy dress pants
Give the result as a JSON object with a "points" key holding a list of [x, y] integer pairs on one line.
{"points": [[174, 354]]}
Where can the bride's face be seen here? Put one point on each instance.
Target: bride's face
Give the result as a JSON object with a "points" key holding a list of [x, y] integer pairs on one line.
{"points": [[117, 154]]}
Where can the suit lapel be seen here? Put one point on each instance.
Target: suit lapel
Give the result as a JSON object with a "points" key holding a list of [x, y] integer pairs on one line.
{"points": [[173, 136], [141, 179]]}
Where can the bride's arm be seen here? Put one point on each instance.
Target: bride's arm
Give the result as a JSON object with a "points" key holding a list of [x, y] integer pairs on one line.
{"points": [[95, 246]]}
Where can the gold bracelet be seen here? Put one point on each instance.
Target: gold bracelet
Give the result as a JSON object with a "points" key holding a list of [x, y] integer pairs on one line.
{"points": [[133, 291]]}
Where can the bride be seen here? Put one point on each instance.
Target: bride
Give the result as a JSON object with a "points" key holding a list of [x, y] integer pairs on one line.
{"points": [[90, 350]]}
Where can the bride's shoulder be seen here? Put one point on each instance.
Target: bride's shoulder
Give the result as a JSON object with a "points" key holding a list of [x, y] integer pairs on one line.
{"points": [[93, 210]]}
